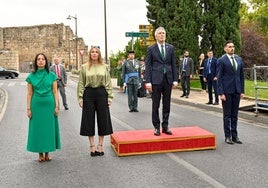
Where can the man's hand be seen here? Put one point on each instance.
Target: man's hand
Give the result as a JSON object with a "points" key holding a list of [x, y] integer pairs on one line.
{"points": [[149, 88]]}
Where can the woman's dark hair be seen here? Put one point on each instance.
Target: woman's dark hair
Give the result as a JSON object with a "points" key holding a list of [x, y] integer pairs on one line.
{"points": [[35, 62]]}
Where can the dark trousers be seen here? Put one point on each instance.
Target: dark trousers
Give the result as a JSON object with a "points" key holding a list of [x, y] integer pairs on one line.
{"points": [[212, 84], [61, 88], [185, 84], [95, 101], [230, 114], [132, 90], [163, 89], [203, 84]]}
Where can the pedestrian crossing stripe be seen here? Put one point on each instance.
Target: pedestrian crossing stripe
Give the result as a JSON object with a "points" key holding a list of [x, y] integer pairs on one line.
{"points": [[11, 84]]}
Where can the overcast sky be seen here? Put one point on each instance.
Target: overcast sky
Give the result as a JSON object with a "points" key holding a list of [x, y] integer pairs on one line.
{"points": [[122, 16]]}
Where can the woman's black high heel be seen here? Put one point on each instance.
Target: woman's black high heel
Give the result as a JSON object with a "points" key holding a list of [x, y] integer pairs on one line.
{"points": [[100, 152], [94, 153]]}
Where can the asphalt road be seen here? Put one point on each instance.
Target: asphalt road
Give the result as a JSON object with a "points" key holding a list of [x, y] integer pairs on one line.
{"points": [[228, 166]]}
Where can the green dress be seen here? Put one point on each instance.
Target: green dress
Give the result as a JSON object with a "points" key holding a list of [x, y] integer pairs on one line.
{"points": [[43, 133]]}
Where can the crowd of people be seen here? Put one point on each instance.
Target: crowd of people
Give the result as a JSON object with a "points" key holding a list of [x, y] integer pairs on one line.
{"points": [[158, 75], [154, 77]]}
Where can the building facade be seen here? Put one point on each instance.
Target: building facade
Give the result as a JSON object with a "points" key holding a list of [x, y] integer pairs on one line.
{"points": [[19, 45]]}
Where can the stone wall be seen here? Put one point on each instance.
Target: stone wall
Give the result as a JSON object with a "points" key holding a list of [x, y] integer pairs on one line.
{"points": [[19, 45]]}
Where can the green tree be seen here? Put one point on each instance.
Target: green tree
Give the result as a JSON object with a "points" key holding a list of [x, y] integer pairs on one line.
{"points": [[220, 22], [256, 11], [181, 19]]}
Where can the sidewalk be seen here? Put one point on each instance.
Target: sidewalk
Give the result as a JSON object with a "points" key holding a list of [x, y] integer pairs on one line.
{"points": [[199, 100]]}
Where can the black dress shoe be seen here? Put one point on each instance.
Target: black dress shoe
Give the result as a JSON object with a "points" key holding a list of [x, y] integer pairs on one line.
{"points": [[236, 140], [157, 132], [209, 102], [215, 103], [135, 110], [228, 140], [131, 110], [183, 95], [167, 131], [66, 107]]}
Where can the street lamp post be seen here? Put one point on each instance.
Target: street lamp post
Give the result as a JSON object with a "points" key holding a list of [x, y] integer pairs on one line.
{"points": [[76, 37], [105, 29]]}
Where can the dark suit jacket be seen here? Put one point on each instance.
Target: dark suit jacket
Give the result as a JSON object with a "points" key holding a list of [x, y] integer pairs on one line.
{"points": [[154, 65], [62, 73], [229, 80], [213, 67], [189, 69]]}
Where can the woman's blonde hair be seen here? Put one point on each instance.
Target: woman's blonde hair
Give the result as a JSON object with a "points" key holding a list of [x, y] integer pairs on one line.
{"points": [[100, 60]]}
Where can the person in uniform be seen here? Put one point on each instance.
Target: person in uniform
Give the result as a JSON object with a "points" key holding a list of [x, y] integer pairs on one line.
{"points": [[131, 73]]}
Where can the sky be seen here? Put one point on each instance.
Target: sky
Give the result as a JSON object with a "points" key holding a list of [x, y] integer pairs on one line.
{"points": [[121, 16]]}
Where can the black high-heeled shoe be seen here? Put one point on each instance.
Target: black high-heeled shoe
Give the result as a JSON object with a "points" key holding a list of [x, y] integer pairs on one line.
{"points": [[100, 152], [94, 153]]}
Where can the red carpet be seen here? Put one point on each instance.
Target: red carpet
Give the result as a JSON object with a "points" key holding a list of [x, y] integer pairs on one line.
{"points": [[138, 142]]}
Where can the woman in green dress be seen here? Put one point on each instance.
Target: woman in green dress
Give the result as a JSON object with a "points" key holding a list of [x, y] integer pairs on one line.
{"points": [[42, 109]]}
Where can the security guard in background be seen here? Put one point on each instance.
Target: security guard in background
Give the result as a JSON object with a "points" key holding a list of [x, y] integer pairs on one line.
{"points": [[131, 72]]}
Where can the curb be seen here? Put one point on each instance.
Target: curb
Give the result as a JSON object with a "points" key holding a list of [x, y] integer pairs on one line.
{"points": [[3, 102]]}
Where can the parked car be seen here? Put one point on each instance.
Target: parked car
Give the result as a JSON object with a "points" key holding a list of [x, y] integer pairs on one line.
{"points": [[8, 73]]}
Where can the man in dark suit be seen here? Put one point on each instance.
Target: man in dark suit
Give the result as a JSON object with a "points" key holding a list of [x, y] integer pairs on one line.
{"points": [[230, 76], [59, 70], [186, 70], [131, 73], [209, 74], [160, 77]]}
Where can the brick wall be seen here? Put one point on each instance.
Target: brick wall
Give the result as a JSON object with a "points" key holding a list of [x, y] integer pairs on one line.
{"points": [[19, 45]]}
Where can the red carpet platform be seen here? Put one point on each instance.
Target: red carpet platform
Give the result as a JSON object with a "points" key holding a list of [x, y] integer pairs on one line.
{"points": [[138, 142]]}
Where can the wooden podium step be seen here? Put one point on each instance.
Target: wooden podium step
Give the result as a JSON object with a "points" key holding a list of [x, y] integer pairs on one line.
{"points": [[139, 142]]}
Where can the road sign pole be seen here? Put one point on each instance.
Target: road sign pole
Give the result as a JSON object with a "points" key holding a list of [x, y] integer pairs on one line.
{"points": [[132, 46]]}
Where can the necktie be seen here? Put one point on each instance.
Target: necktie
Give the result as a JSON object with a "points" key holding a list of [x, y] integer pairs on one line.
{"points": [[162, 51], [58, 70], [233, 63], [184, 64], [209, 65]]}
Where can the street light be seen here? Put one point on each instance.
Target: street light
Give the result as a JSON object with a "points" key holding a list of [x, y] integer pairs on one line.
{"points": [[76, 56], [105, 30]]}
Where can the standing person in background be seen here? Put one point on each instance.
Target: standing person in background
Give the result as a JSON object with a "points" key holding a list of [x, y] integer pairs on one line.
{"points": [[230, 75], [199, 72], [119, 75], [142, 89], [186, 73], [210, 77], [161, 76], [42, 109], [60, 71], [131, 72], [95, 94]]}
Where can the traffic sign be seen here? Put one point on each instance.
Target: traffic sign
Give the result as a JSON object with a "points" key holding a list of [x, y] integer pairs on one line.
{"points": [[81, 51], [137, 34]]}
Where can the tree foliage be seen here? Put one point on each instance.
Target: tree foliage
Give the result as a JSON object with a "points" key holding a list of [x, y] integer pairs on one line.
{"points": [[180, 21], [197, 25], [254, 48], [256, 11], [220, 22]]}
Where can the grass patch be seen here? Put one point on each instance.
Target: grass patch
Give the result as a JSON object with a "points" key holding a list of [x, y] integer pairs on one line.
{"points": [[249, 88]]}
